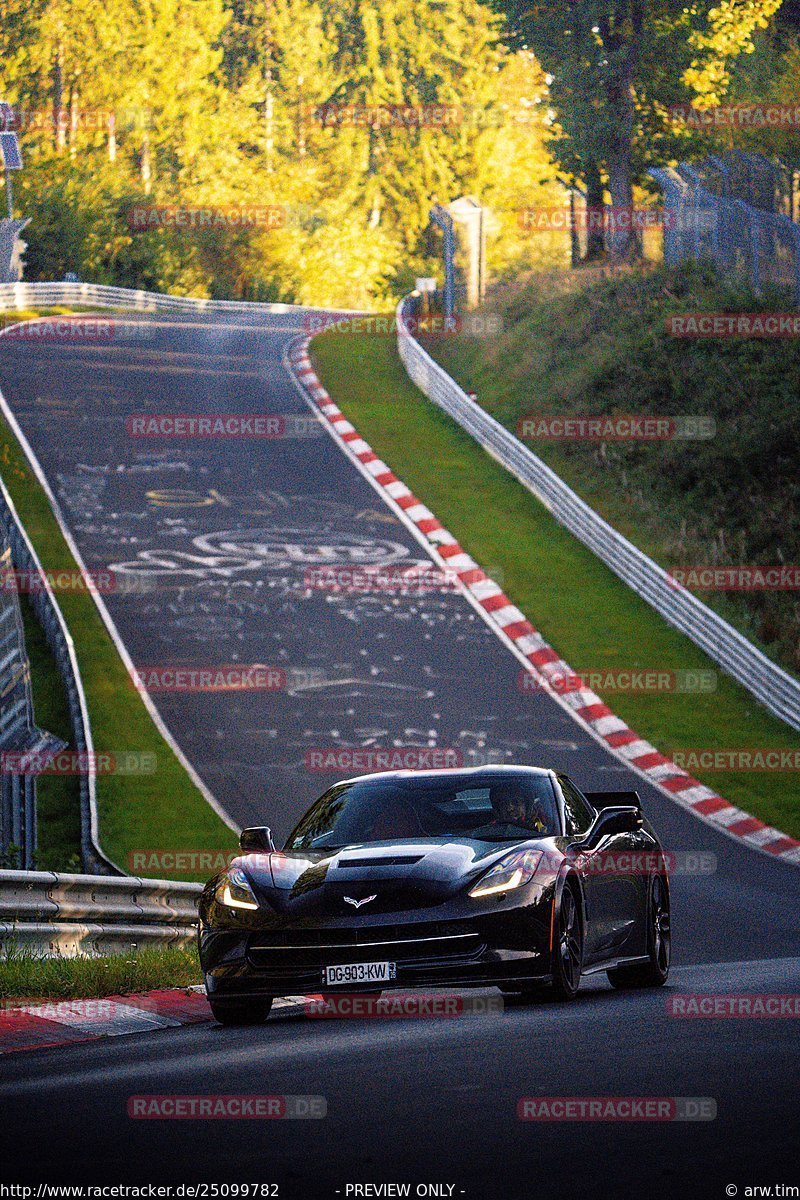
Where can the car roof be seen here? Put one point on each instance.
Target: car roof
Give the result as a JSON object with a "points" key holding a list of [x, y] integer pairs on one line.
{"points": [[487, 772]]}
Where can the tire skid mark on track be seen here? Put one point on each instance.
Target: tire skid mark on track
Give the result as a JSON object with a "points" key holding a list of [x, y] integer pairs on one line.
{"points": [[539, 657]]}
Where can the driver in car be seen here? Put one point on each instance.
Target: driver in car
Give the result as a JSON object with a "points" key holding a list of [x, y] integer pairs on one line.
{"points": [[513, 812]]}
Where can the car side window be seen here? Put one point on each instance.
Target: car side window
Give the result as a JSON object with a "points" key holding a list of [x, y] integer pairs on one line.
{"points": [[578, 813]]}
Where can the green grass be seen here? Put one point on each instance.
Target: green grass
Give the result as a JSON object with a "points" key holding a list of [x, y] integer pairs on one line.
{"points": [[162, 810], [57, 796], [14, 315], [586, 613], [593, 343], [26, 975]]}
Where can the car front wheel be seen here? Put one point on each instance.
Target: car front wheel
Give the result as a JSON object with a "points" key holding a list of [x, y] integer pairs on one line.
{"points": [[241, 1012]]}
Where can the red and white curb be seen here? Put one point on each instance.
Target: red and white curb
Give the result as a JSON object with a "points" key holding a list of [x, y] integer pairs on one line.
{"points": [[62, 1022], [540, 658]]}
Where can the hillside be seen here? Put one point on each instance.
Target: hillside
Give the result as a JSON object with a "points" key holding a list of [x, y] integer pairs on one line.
{"points": [[588, 344]]}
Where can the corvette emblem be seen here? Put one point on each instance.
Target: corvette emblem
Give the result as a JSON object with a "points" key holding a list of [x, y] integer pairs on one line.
{"points": [[358, 903]]}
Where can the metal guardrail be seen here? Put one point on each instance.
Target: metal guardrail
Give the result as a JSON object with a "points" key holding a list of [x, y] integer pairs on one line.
{"points": [[90, 914], [772, 686], [754, 244], [44, 295], [19, 734], [49, 615], [18, 730]]}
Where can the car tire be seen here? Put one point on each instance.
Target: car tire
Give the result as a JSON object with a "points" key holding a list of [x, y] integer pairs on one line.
{"points": [[241, 1012], [567, 953], [654, 972]]}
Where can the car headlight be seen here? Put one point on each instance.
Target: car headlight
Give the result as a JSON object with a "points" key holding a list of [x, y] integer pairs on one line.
{"points": [[234, 890], [511, 872]]}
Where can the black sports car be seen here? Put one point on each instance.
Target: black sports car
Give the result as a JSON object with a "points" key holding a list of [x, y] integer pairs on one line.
{"points": [[506, 876]]}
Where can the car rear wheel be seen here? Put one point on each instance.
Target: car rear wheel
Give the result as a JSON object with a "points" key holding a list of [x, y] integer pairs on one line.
{"points": [[567, 952], [241, 1012], [654, 972]]}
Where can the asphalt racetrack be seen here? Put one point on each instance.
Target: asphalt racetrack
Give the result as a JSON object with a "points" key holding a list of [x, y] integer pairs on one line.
{"points": [[211, 542]]}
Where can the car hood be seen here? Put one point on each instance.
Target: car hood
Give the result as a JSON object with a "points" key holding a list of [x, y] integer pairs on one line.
{"points": [[395, 875]]}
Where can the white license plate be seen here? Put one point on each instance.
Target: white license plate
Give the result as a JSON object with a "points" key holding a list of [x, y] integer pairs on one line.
{"points": [[376, 972]]}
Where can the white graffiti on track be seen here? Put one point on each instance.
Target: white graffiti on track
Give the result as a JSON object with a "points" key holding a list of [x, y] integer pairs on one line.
{"points": [[82, 495], [145, 463], [226, 553], [180, 564], [302, 547], [353, 688]]}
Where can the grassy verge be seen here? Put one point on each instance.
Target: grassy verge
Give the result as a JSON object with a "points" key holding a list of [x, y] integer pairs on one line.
{"points": [[25, 975], [584, 343], [590, 617], [160, 810], [13, 316], [57, 796]]}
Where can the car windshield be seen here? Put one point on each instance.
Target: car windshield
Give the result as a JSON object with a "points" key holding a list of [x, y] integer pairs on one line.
{"points": [[500, 808]]}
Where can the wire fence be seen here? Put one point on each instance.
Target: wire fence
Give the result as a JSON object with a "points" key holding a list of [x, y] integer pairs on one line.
{"points": [[735, 210]]}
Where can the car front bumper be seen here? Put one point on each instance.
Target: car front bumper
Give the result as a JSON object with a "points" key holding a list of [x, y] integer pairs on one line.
{"points": [[506, 944]]}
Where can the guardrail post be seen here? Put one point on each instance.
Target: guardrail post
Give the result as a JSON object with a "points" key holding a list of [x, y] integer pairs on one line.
{"points": [[29, 833], [17, 836], [6, 838]]}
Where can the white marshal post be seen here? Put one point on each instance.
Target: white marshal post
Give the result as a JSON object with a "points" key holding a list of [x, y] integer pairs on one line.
{"points": [[10, 248]]}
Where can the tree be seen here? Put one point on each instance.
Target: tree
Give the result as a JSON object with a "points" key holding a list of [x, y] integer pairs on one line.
{"points": [[617, 66], [224, 102]]}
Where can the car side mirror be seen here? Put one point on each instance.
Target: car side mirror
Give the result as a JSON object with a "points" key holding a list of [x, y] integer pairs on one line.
{"points": [[256, 840], [619, 819]]}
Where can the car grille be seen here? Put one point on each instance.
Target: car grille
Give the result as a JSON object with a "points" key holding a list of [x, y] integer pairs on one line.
{"points": [[308, 948], [392, 896]]}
